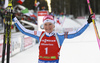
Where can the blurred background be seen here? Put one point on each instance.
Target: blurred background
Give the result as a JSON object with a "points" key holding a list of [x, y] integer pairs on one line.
{"points": [[68, 7], [69, 15]]}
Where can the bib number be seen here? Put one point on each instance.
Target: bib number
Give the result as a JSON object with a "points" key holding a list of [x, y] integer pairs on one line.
{"points": [[46, 50]]}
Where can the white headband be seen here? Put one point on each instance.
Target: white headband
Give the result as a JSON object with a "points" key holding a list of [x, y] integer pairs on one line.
{"points": [[48, 20]]}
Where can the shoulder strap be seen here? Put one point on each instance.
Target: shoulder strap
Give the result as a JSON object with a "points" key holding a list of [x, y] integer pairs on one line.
{"points": [[41, 37], [57, 39]]}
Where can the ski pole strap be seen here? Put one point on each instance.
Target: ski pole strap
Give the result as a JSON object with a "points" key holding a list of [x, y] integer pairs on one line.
{"points": [[93, 17]]}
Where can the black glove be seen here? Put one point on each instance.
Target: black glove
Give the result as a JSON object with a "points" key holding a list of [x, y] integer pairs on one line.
{"points": [[13, 15], [90, 18]]}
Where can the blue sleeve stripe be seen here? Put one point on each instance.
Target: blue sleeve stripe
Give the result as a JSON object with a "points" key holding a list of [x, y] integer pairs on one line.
{"points": [[61, 39], [36, 37], [79, 32]]}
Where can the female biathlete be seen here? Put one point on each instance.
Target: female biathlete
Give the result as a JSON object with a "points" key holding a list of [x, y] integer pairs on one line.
{"points": [[50, 42]]}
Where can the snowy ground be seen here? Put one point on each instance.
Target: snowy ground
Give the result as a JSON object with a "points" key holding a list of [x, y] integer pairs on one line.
{"points": [[82, 49]]}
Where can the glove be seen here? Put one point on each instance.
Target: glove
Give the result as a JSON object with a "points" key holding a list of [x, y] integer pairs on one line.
{"points": [[90, 18], [13, 15]]}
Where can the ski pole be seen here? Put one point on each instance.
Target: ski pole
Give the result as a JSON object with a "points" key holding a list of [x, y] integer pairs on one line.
{"points": [[7, 32], [9, 19], [94, 24], [4, 41]]}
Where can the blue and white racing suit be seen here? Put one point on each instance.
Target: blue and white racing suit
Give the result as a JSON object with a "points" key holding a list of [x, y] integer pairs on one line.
{"points": [[61, 36]]}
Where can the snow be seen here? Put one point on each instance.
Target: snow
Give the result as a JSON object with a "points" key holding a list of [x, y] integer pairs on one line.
{"points": [[81, 49], [28, 56]]}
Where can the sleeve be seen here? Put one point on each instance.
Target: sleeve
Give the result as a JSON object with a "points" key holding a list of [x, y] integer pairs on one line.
{"points": [[62, 36], [77, 32], [31, 33]]}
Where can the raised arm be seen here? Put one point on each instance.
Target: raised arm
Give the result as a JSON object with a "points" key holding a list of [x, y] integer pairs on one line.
{"points": [[73, 34], [77, 32], [31, 33], [81, 30]]}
